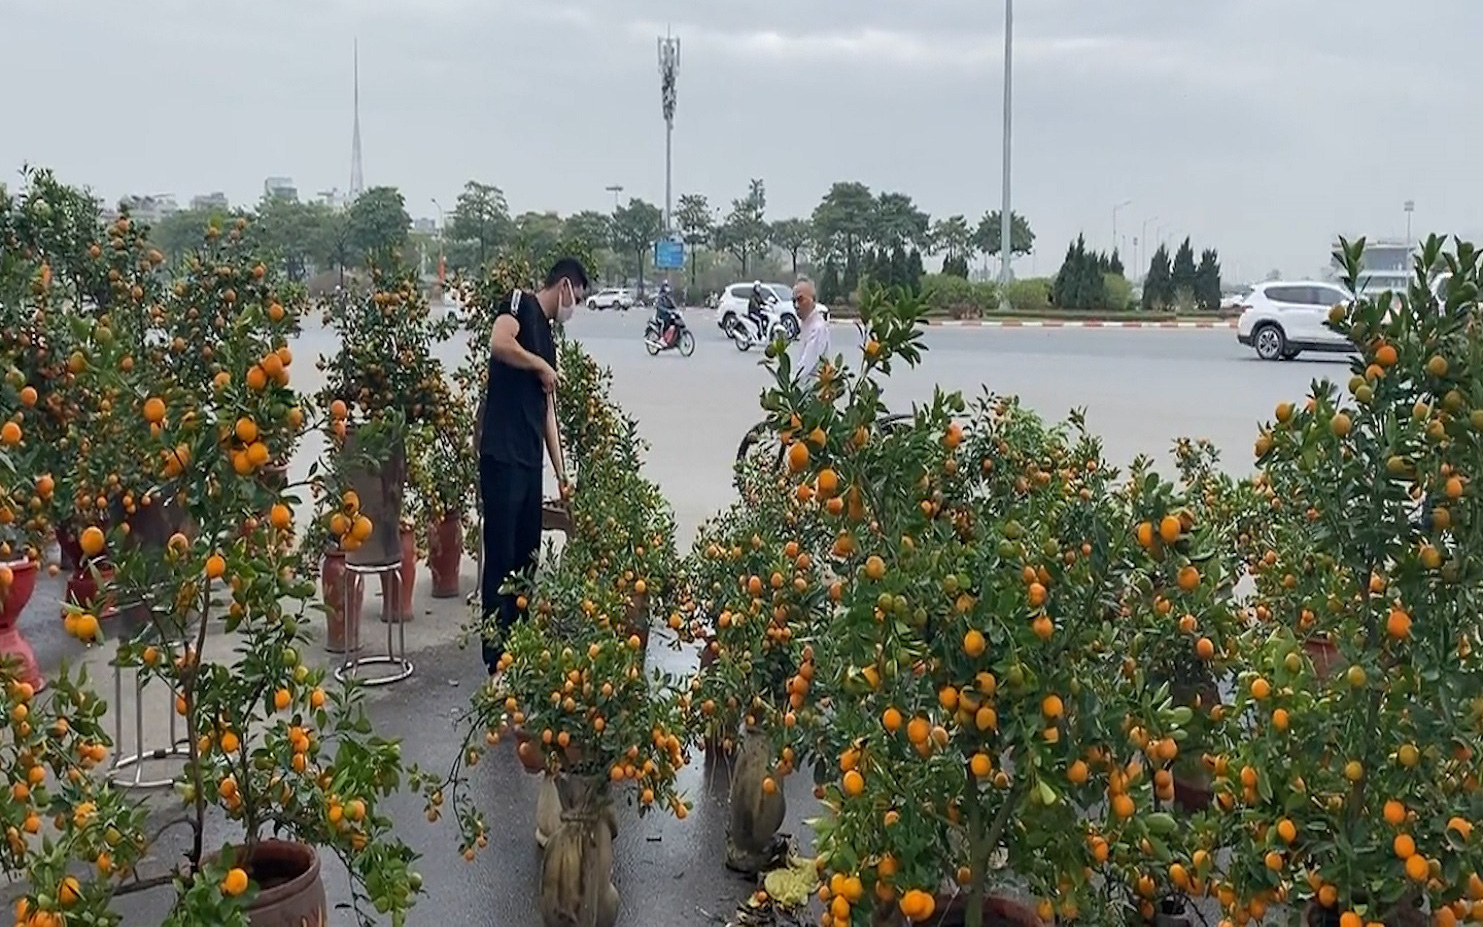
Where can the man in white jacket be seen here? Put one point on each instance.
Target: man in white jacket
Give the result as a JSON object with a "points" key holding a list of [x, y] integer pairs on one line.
{"points": [[813, 333]]}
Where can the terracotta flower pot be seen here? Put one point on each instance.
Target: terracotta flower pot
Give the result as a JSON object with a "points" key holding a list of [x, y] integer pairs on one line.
{"points": [[952, 911], [342, 592], [290, 889], [83, 589], [1191, 795], [638, 619], [14, 596], [445, 556], [408, 574], [529, 752], [1325, 656]]}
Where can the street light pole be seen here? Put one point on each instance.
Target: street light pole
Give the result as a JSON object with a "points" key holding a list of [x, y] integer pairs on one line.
{"points": [[1006, 215], [1409, 206], [615, 189], [441, 254], [1143, 237], [1115, 210], [669, 70]]}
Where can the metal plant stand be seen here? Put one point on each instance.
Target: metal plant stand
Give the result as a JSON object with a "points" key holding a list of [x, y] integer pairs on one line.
{"points": [[396, 629], [177, 745]]}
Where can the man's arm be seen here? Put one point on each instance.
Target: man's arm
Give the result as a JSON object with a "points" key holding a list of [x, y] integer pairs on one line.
{"points": [[553, 443], [507, 350]]}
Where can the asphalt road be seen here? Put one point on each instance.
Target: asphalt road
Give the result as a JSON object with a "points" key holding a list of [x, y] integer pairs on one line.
{"points": [[1141, 389]]}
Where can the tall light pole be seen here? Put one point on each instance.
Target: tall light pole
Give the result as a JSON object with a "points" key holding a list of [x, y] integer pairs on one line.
{"points": [[615, 189], [1120, 206], [1409, 206], [1146, 256], [441, 258], [669, 71], [1006, 216]]}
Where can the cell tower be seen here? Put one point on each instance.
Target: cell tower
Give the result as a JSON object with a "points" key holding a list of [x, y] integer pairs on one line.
{"points": [[357, 179], [669, 71]]}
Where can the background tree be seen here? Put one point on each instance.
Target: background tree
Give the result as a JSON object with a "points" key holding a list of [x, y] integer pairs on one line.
{"points": [[1207, 281], [179, 233], [1115, 264], [538, 232], [290, 229], [953, 239], [481, 216], [1183, 275], [590, 231], [987, 238], [1080, 283], [745, 233], [697, 226], [635, 228], [896, 222], [1158, 286], [334, 246], [379, 223], [842, 226], [792, 236]]}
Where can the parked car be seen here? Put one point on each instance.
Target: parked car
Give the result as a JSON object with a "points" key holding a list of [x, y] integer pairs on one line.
{"points": [[1281, 319], [611, 298]]}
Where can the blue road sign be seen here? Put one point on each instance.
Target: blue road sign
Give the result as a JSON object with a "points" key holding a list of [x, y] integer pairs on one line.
{"points": [[669, 254]]}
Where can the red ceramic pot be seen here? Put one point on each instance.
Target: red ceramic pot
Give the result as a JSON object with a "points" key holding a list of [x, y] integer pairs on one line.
{"points": [[998, 912], [290, 887], [444, 556], [1325, 656], [14, 595], [342, 592], [407, 572]]}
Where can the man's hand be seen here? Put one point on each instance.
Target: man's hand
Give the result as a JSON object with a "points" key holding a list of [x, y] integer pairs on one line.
{"points": [[564, 487], [548, 377]]}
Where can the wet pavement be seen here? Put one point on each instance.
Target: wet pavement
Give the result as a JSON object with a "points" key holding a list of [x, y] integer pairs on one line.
{"points": [[1141, 389]]}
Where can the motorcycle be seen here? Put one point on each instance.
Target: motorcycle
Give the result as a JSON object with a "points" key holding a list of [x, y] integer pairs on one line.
{"points": [[745, 331], [682, 340]]}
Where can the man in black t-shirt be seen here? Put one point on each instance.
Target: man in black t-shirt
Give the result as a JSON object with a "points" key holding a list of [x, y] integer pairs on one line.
{"points": [[519, 416]]}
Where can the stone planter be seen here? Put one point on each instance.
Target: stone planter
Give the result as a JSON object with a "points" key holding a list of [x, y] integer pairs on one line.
{"points": [[577, 867], [445, 556], [14, 596], [342, 592], [752, 841]]}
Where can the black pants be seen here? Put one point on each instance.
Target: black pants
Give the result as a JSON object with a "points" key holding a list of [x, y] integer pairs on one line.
{"points": [[511, 498]]}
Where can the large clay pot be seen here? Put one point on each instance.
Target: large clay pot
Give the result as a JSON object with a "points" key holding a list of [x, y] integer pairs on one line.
{"points": [[290, 889], [342, 604], [638, 618], [408, 575], [445, 555], [1192, 794], [13, 599], [577, 867], [1325, 656], [752, 841], [67, 546], [1402, 915], [379, 487]]}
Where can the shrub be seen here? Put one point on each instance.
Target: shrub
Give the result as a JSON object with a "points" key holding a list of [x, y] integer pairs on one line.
{"points": [[958, 297], [1030, 294]]}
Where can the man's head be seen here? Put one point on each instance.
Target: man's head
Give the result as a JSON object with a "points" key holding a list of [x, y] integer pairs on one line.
{"points": [[803, 297], [564, 289]]}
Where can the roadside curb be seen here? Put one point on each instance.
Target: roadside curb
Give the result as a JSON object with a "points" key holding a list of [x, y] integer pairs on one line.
{"points": [[1071, 323]]}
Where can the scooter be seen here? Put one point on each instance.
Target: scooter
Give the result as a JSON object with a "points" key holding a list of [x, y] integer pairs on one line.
{"points": [[745, 331], [681, 338]]}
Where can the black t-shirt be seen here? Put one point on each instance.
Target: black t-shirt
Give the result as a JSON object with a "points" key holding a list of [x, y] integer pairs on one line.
{"points": [[514, 402]]}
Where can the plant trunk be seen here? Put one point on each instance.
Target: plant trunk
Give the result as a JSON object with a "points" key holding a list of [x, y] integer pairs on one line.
{"points": [[752, 841], [577, 868]]}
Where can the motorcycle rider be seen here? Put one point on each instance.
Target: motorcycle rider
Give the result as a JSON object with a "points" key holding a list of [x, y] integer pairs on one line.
{"points": [[667, 314], [757, 306]]}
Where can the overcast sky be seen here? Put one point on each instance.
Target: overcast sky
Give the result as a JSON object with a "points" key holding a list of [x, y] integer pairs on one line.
{"points": [[1261, 127]]}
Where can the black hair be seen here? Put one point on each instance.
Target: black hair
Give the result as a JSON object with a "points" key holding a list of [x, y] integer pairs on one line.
{"points": [[567, 268]]}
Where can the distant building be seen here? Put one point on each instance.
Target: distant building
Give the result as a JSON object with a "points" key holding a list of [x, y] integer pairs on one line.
{"points": [[334, 199], [151, 208], [425, 226], [209, 201], [1387, 266], [280, 188]]}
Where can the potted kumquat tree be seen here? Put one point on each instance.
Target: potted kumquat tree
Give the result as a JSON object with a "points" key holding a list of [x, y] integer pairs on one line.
{"points": [[1351, 788]]}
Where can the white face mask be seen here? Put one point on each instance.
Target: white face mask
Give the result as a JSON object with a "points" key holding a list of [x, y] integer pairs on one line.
{"points": [[565, 310]]}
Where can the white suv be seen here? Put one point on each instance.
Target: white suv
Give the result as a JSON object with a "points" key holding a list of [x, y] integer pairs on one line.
{"points": [[611, 298], [1281, 319]]}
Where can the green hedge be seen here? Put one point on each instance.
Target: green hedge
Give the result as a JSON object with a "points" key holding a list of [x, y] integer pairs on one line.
{"points": [[959, 298], [1031, 294]]}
